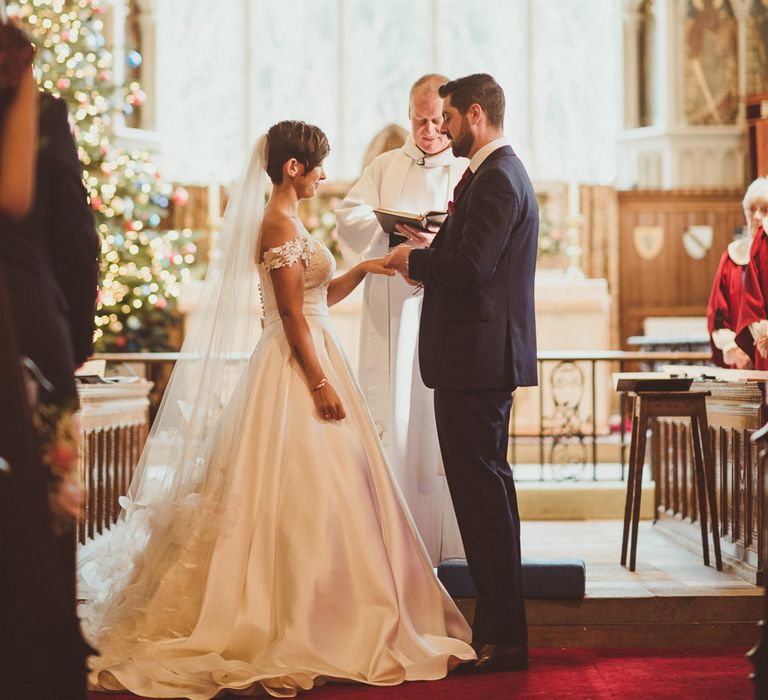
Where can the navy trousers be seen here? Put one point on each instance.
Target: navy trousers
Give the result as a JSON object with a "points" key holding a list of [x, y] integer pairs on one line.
{"points": [[473, 429]]}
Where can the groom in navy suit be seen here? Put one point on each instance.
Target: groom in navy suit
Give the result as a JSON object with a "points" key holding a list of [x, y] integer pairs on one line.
{"points": [[477, 344]]}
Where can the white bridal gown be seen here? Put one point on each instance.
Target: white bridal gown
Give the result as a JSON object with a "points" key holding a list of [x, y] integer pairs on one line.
{"points": [[313, 569]]}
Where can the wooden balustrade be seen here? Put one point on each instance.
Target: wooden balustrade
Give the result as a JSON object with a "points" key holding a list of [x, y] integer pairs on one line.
{"points": [[759, 654], [735, 411], [115, 426]]}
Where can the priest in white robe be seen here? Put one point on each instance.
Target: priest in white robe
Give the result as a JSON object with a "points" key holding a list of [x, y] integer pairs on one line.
{"points": [[418, 177]]}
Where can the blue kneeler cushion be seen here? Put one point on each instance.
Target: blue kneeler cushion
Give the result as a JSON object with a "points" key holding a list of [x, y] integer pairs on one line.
{"points": [[542, 578]]}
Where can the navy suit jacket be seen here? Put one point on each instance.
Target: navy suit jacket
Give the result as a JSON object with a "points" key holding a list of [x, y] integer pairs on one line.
{"points": [[51, 258], [478, 328]]}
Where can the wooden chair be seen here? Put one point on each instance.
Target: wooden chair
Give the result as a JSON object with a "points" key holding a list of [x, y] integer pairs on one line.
{"points": [[653, 404]]}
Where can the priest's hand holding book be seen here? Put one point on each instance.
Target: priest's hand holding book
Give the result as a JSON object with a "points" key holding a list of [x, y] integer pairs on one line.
{"points": [[417, 237], [416, 230]]}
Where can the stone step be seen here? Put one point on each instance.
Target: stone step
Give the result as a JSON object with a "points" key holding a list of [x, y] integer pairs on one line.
{"points": [[579, 500], [637, 622], [645, 636]]}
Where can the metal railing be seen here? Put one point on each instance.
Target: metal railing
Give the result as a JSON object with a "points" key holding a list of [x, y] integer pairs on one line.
{"points": [[572, 427], [579, 427]]}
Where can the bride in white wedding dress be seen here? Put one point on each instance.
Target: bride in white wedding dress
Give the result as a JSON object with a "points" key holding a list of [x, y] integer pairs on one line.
{"points": [[264, 546]]}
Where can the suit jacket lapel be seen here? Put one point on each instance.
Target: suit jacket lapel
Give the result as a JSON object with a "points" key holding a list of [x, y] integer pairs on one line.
{"points": [[498, 153], [447, 227]]}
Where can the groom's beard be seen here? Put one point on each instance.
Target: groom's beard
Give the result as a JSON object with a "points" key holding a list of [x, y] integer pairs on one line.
{"points": [[463, 142]]}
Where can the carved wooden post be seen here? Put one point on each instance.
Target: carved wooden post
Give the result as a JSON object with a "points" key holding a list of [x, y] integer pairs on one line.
{"points": [[115, 426], [759, 654]]}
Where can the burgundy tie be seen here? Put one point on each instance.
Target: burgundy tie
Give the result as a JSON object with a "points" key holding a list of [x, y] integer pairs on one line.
{"points": [[460, 185]]}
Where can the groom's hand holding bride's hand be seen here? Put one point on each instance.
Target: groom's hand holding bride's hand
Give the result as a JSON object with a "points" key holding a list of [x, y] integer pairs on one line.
{"points": [[397, 260]]}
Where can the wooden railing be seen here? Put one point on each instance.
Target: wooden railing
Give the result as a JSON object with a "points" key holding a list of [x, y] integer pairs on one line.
{"points": [[734, 412], [558, 427], [115, 426], [759, 654]]}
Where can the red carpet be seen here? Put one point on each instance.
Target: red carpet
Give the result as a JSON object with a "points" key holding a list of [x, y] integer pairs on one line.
{"points": [[598, 674]]}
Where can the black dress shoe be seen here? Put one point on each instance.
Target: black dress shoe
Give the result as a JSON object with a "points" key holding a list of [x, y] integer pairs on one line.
{"points": [[464, 668], [501, 657]]}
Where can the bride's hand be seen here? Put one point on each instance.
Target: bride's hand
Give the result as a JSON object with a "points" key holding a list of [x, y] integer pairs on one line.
{"points": [[328, 403], [377, 266]]}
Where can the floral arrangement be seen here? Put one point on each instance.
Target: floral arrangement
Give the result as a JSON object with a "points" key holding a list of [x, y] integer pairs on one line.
{"points": [[319, 217], [551, 238], [58, 429]]}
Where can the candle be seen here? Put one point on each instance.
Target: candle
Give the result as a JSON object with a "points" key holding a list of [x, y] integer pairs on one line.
{"points": [[573, 199], [214, 205]]}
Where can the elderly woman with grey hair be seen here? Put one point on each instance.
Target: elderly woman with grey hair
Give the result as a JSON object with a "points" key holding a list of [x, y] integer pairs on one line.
{"points": [[728, 350], [752, 318]]}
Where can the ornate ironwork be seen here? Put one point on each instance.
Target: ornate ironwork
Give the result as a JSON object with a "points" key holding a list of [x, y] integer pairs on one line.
{"points": [[568, 453]]}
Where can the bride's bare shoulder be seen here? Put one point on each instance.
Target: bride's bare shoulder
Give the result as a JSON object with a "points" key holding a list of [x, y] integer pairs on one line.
{"points": [[276, 229]]}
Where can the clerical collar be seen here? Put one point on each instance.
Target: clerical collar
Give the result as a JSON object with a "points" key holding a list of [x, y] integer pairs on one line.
{"points": [[438, 160], [738, 250], [485, 151]]}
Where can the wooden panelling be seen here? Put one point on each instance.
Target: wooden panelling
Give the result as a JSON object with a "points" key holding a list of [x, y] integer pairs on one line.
{"points": [[672, 283], [195, 213], [599, 207]]}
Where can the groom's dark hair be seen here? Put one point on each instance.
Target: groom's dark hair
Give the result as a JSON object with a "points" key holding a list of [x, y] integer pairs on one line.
{"points": [[481, 89], [293, 139]]}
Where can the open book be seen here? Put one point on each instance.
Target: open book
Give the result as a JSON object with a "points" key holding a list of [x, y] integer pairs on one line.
{"points": [[650, 381], [389, 217]]}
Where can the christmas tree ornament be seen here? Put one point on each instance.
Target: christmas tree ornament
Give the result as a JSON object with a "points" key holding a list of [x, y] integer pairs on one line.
{"points": [[133, 59], [180, 196]]}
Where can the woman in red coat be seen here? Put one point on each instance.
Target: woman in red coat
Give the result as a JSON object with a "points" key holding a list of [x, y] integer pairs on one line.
{"points": [[724, 304], [752, 323], [725, 301]]}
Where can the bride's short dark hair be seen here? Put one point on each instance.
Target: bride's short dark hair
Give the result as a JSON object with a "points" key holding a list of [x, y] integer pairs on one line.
{"points": [[294, 139]]}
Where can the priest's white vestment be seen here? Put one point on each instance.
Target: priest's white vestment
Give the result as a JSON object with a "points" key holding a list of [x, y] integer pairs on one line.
{"points": [[402, 407]]}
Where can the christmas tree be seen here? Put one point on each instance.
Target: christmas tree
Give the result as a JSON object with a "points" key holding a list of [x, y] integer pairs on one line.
{"points": [[143, 267]]}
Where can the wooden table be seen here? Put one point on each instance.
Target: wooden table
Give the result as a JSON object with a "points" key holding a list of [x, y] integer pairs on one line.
{"points": [[654, 405]]}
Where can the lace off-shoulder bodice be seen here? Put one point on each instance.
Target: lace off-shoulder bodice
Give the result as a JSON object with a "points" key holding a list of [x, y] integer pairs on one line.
{"points": [[319, 268]]}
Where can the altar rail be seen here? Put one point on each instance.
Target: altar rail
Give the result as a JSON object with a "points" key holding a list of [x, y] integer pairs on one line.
{"points": [[561, 430], [578, 423], [115, 427], [734, 412]]}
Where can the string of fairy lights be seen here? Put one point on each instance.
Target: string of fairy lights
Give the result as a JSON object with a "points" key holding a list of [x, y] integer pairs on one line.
{"points": [[143, 268]]}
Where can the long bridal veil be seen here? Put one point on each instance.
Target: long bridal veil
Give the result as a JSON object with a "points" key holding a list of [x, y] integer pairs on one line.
{"points": [[170, 506]]}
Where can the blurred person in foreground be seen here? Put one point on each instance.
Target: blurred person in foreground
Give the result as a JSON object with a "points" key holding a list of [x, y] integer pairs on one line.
{"points": [[49, 266]]}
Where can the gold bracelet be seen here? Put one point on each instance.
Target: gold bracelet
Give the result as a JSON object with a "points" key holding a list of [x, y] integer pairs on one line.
{"points": [[320, 384]]}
